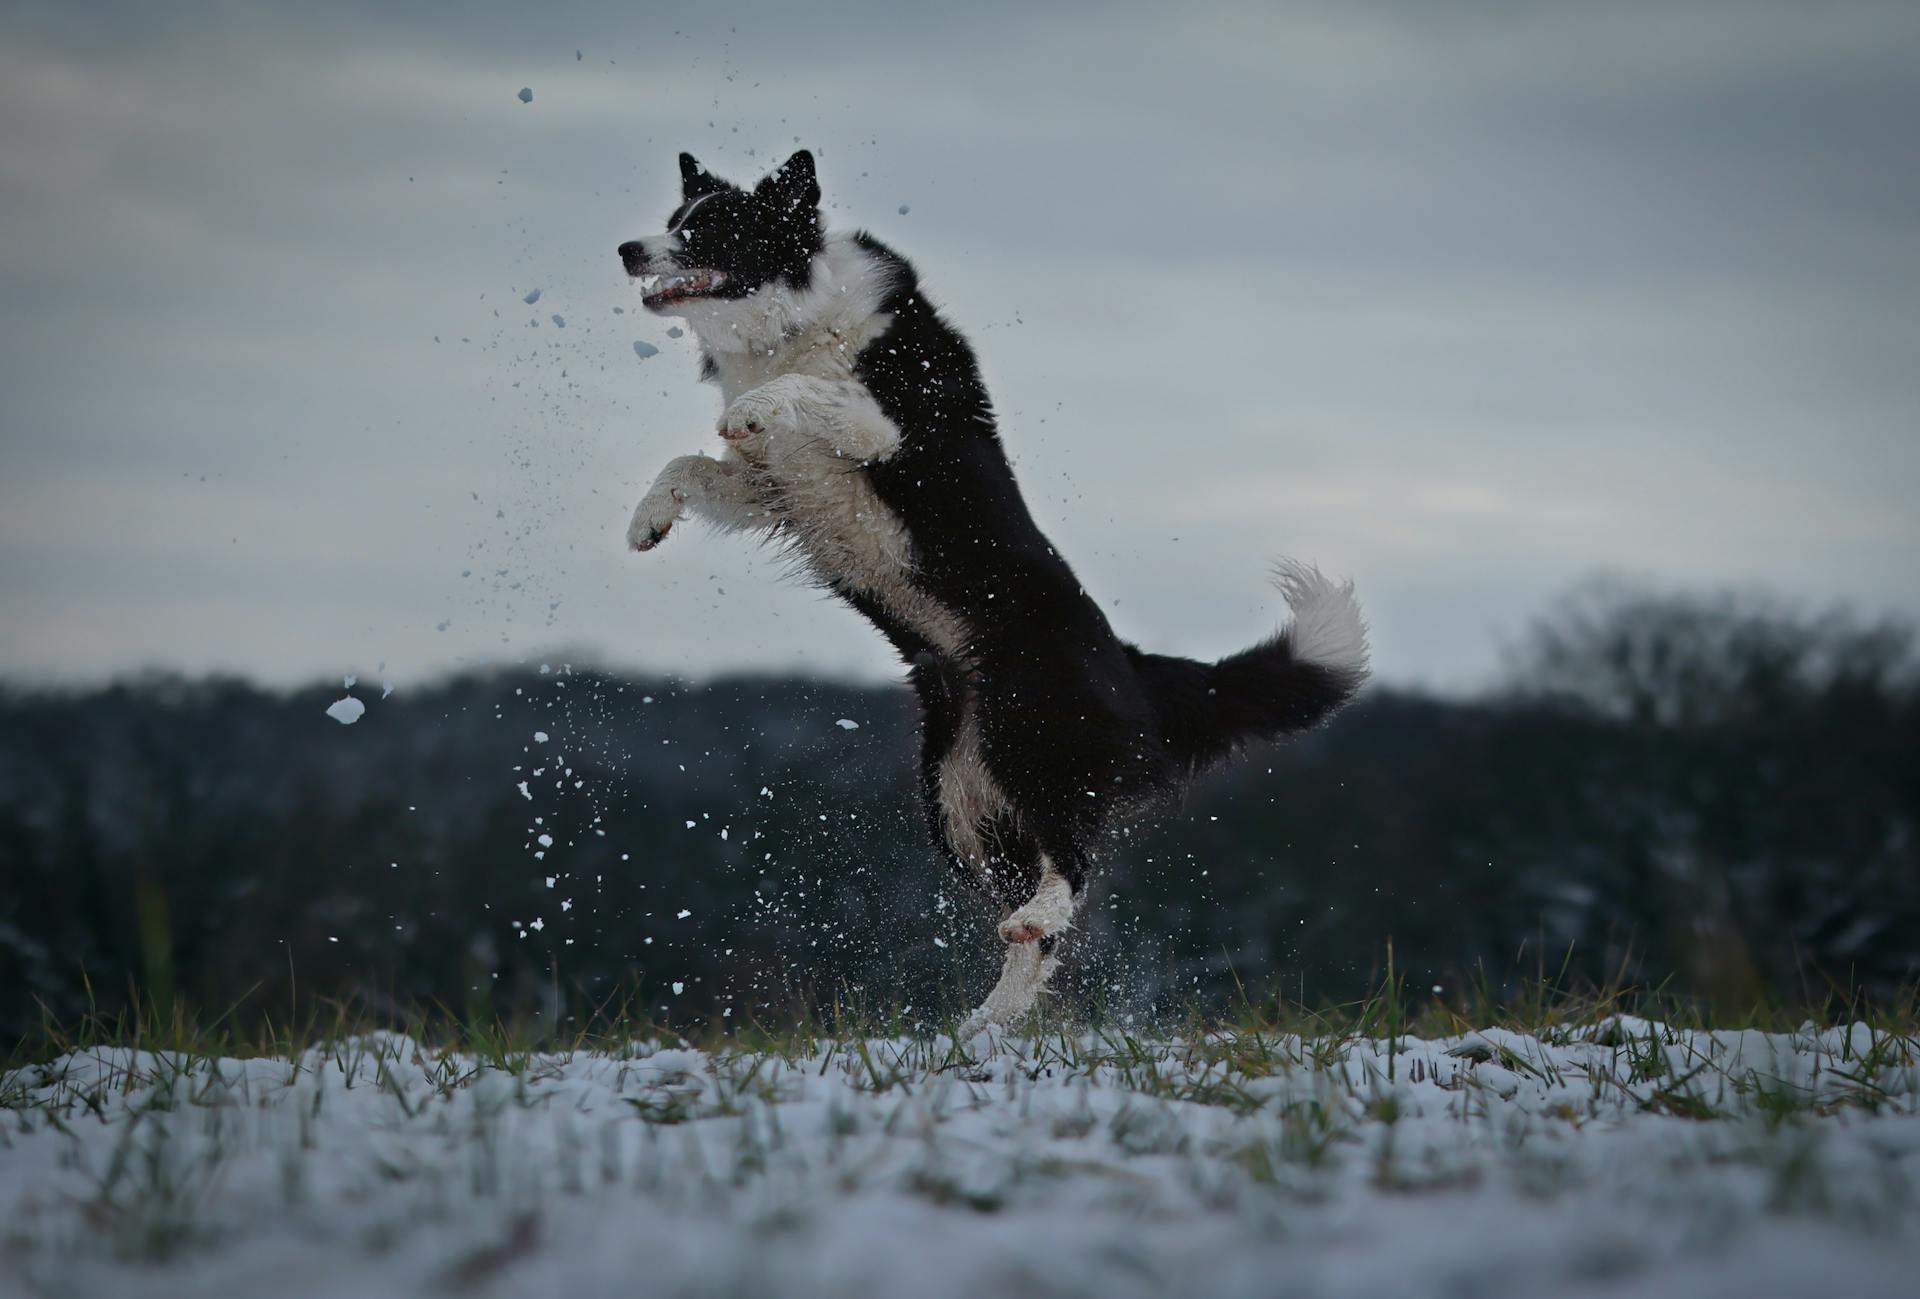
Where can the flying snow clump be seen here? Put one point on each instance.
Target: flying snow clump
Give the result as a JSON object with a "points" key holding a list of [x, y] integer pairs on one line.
{"points": [[346, 711]]}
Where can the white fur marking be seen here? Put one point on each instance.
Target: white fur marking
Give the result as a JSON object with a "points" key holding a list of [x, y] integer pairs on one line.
{"points": [[661, 250], [1328, 629], [692, 207], [719, 490], [969, 795], [1049, 911], [779, 329], [1023, 977], [782, 414]]}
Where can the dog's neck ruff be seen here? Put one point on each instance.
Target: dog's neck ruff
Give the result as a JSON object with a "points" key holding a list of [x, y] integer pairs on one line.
{"points": [[838, 308]]}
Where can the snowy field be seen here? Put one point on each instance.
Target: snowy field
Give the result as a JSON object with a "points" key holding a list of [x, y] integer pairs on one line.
{"points": [[1613, 1159]]}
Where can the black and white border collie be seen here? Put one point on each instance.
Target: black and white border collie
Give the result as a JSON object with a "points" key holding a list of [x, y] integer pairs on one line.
{"points": [[858, 432]]}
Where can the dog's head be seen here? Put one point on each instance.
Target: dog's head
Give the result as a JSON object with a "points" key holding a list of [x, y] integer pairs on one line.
{"points": [[724, 243]]}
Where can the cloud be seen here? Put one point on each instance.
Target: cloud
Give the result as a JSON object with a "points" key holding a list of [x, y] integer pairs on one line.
{"points": [[1465, 300]]}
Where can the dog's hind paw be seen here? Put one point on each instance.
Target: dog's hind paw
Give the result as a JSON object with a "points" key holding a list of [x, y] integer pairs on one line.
{"points": [[1023, 977], [976, 1027], [1049, 911]]}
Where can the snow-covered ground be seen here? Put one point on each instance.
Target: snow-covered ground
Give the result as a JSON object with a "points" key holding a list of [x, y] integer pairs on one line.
{"points": [[1618, 1159]]}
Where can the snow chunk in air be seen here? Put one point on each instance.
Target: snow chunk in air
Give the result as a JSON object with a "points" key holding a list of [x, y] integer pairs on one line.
{"points": [[346, 711]]}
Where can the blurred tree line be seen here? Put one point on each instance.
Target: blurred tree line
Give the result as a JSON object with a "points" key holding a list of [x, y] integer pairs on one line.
{"points": [[1719, 794]]}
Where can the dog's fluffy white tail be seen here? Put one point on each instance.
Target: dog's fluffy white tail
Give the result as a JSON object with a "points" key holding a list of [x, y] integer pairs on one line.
{"points": [[1292, 680], [1328, 629]]}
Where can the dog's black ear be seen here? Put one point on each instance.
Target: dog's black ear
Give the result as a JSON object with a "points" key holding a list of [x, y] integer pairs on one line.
{"points": [[696, 180], [793, 183]]}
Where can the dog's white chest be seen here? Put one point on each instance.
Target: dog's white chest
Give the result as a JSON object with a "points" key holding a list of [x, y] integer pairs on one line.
{"points": [[839, 522], [808, 478], [823, 355], [832, 516]]}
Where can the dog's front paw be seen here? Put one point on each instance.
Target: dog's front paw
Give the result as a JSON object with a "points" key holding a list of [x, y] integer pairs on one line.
{"points": [[754, 416], [865, 439], [655, 516]]}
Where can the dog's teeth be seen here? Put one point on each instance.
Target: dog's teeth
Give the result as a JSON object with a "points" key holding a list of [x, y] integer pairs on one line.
{"points": [[682, 283]]}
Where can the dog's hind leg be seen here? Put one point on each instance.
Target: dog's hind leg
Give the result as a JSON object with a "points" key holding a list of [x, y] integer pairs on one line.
{"points": [[1023, 977], [1047, 912], [1032, 932]]}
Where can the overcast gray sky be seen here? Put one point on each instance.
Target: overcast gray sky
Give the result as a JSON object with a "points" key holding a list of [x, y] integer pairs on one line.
{"points": [[1465, 300]]}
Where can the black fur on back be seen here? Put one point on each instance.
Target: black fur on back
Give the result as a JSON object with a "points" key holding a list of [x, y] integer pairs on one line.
{"points": [[1076, 725]]}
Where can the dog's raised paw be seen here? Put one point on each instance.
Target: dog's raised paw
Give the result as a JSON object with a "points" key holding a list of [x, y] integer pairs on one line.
{"points": [[654, 517], [752, 416]]}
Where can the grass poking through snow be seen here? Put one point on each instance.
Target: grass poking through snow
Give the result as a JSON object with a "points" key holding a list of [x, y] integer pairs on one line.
{"points": [[1598, 1143]]}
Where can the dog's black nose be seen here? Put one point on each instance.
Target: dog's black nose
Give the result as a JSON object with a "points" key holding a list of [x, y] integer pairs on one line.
{"points": [[631, 251]]}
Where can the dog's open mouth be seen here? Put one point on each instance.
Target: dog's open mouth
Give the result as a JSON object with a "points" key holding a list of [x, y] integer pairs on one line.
{"points": [[663, 290]]}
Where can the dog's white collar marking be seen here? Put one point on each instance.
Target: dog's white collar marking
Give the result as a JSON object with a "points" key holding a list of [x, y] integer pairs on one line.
{"points": [[840, 305]]}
